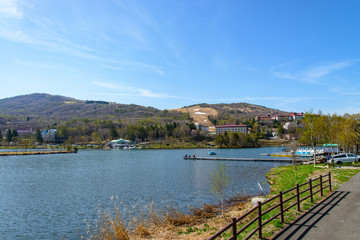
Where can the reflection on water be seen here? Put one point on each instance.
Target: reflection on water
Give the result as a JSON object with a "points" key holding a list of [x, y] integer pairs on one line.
{"points": [[49, 196]]}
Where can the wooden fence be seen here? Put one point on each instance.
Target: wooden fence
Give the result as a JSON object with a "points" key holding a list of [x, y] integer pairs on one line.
{"points": [[282, 206]]}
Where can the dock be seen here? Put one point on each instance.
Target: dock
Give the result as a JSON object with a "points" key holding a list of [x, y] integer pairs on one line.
{"points": [[19, 153], [246, 159]]}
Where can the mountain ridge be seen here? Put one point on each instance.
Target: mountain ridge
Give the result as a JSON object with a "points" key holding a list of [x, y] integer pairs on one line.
{"points": [[46, 106]]}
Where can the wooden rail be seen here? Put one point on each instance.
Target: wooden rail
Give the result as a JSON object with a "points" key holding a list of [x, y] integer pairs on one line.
{"points": [[261, 222]]}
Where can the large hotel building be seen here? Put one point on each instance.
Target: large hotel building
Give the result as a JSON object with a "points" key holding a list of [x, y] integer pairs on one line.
{"points": [[231, 128]]}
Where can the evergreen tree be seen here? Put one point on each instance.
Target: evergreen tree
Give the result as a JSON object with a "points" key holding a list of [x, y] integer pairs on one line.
{"points": [[38, 136], [1, 136], [14, 133], [113, 133], [9, 135]]}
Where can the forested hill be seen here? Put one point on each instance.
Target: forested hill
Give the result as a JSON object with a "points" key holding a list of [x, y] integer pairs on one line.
{"points": [[49, 106]]}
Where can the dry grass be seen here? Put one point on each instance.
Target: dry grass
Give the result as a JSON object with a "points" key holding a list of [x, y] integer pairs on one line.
{"points": [[110, 226], [199, 118], [166, 222], [169, 222]]}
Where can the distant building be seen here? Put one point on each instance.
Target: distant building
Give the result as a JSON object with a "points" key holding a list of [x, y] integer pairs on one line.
{"points": [[49, 135], [274, 132], [264, 118], [24, 131], [280, 118], [290, 125], [212, 130], [283, 118], [231, 127], [297, 116], [201, 127], [119, 143]]}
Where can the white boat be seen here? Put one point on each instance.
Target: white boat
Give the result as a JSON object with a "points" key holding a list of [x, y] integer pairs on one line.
{"points": [[320, 150], [131, 147]]}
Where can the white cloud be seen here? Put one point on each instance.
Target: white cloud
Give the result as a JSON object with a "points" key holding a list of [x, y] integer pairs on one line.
{"points": [[314, 74], [9, 8], [131, 91]]}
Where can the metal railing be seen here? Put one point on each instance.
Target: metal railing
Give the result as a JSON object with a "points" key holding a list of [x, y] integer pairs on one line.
{"points": [[281, 207]]}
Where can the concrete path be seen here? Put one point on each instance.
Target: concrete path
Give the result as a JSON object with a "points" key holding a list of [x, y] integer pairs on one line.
{"points": [[338, 217]]}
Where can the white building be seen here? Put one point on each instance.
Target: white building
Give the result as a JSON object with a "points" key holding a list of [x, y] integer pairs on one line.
{"points": [[119, 143], [290, 125], [297, 116], [49, 135], [231, 128], [201, 127]]}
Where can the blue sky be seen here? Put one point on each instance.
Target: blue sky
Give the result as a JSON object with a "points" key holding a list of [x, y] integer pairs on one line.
{"points": [[290, 55]]}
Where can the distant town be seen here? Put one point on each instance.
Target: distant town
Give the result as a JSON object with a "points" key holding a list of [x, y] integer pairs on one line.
{"points": [[265, 126]]}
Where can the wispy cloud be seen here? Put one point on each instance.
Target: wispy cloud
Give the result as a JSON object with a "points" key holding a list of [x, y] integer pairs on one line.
{"points": [[134, 66], [345, 91], [313, 74], [36, 29], [49, 66], [131, 91], [9, 8], [41, 33]]}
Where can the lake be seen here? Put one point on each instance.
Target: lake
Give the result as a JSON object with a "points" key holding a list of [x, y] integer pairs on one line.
{"points": [[49, 196]]}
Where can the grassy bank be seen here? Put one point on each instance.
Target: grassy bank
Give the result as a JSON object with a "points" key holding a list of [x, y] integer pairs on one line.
{"points": [[274, 143], [170, 223], [283, 178]]}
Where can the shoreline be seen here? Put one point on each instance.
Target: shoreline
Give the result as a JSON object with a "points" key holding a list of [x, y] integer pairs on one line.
{"points": [[206, 221], [34, 153]]}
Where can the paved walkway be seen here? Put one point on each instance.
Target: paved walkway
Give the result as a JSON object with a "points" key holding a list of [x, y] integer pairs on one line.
{"points": [[338, 217]]}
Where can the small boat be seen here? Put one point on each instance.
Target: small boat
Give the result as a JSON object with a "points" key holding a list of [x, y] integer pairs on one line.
{"points": [[212, 153]]}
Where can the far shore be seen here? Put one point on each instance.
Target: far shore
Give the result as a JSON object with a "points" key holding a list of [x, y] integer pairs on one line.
{"points": [[187, 145], [16, 153]]}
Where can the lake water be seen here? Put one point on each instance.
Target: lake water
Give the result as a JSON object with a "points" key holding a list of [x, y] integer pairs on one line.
{"points": [[49, 196]]}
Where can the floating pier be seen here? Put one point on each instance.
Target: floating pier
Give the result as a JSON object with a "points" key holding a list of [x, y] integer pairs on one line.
{"points": [[246, 159]]}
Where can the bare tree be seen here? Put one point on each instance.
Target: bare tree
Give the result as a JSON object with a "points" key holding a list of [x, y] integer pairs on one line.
{"points": [[294, 145], [219, 183]]}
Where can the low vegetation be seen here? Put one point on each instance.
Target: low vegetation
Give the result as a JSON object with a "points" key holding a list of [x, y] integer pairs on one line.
{"points": [[169, 222]]}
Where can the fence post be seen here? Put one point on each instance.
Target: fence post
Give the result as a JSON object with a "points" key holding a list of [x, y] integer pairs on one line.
{"points": [[330, 182], [234, 228], [298, 197], [321, 186], [311, 191], [281, 206], [259, 221]]}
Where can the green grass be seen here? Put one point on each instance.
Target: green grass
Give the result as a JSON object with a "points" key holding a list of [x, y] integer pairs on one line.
{"points": [[284, 178]]}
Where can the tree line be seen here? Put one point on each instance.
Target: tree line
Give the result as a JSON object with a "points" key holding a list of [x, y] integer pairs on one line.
{"points": [[322, 129]]}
